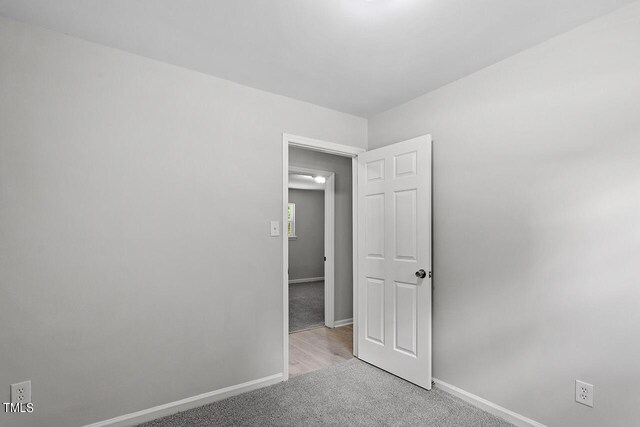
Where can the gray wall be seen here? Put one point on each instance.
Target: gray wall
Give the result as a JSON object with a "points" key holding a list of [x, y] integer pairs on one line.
{"points": [[133, 197], [537, 224], [306, 252], [341, 166]]}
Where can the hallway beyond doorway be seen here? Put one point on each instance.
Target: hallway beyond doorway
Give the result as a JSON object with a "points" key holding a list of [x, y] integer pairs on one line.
{"points": [[306, 306]]}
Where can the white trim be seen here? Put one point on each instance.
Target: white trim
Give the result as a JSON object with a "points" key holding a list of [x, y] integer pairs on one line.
{"points": [[188, 403], [307, 280], [343, 322], [285, 259], [490, 407], [354, 226], [329, 250], [324, 147]]}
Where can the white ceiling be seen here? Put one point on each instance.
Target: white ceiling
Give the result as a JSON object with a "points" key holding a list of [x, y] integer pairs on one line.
{"points": [[304, 182], [357, 56]]}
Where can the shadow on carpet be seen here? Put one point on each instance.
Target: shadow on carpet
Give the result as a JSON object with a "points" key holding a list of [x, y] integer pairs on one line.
{"points": [[351, 393], [306, 306]]}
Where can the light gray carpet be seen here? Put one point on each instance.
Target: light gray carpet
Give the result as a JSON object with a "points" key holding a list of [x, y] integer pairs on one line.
{"points": [[351, 393], [306, 305]]}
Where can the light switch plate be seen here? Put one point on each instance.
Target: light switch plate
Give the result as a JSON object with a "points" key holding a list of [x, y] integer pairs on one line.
{"points": [[275, 228]]}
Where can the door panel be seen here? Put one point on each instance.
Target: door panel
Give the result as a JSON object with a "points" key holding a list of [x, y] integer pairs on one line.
{"points": [[375, 170], [405, 222], [405, 164], [374, 323], [394, 242], [406, 302], [374, 211]]}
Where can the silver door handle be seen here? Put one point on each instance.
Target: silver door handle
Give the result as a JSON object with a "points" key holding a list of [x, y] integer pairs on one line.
{"points": [[421, 274]]}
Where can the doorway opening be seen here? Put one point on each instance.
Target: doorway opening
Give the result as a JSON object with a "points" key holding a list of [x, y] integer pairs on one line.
{"points": [[391, 254], [318, 253]]}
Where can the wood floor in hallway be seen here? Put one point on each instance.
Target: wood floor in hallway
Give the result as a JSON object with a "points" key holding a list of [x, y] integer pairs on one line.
{"points": [[319, 348]]}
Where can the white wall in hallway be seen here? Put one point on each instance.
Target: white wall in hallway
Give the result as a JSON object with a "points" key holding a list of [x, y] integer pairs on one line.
{"points": [[537, 224], [306, 251]]}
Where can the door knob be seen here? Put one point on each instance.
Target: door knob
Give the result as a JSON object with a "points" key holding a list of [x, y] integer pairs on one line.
{"points": [[421, 274]]}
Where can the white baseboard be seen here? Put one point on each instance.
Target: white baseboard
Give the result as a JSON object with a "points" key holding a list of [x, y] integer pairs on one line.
{"points": [[188, 403], [343, 322], [309, 279], [507, 415]]}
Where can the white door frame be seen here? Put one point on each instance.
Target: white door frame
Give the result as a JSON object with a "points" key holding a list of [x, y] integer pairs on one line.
{"points": [[289, 140], [329, 239]]}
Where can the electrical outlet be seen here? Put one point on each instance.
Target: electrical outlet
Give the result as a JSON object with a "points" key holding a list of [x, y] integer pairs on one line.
{"points": [[21, 392], [584, 393]]}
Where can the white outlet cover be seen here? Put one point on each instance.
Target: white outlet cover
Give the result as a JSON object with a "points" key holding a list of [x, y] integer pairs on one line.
{"points": [[21, 392], [584, 393]]}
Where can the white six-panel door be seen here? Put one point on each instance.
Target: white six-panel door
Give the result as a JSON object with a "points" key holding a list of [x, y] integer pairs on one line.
{"points": [[394, 242]]}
